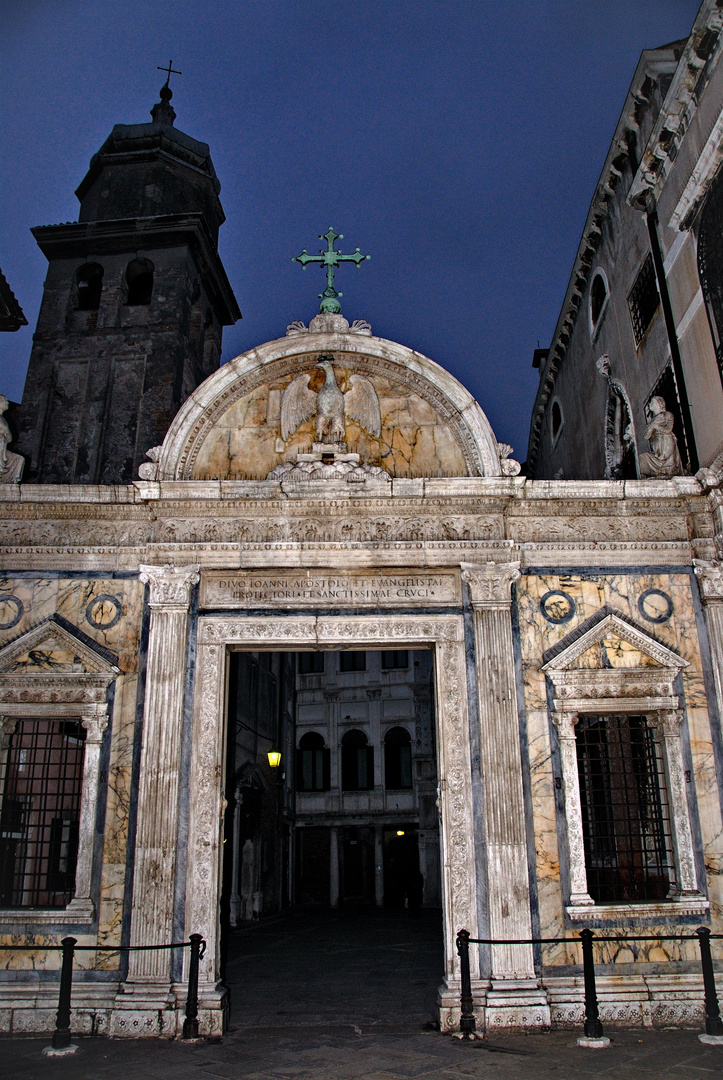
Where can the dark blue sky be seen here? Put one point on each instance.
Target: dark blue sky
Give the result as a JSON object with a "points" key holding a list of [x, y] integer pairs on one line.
{"points": [[456, 141]]}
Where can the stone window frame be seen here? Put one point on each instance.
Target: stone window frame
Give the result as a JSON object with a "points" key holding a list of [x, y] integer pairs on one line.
{"points": [[644, 691], [53, 695], [595, 324], [555, 435]]}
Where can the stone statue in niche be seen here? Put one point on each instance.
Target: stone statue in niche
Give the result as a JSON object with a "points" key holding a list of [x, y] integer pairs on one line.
{"points": [[359, 403], [11, 465], [620, 463], [663, 461]]}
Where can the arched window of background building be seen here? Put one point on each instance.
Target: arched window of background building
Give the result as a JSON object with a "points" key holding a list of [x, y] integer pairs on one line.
{"points": [[555, 420], [312, 763], [710, 265], [398, 758], [598, 298], [88, 287], [139, 282], [357, 762]]}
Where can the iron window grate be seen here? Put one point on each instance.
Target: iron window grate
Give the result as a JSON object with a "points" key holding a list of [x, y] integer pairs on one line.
{"points": [[643, 299], [40, 780], [625, 812]]}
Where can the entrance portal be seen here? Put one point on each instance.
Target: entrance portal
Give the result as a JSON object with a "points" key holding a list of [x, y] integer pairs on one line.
{"points": [[440, 639]]}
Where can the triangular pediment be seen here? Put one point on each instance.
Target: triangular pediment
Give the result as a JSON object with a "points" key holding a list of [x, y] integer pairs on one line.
{"points": [[608, 639], [56, 647]]}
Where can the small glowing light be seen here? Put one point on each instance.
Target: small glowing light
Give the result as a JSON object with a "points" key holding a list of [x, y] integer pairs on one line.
{"points": [[400, 832], [274, 757]]}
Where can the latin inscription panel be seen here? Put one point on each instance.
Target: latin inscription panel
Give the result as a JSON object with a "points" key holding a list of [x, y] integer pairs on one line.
{"points": [[313, 589]]}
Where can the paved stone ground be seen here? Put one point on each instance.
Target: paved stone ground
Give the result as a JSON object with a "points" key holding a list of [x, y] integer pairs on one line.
{"points": [[350, 996]]}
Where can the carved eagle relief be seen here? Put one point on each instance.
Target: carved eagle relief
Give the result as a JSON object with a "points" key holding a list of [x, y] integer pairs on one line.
{"points": [[360, 403]]}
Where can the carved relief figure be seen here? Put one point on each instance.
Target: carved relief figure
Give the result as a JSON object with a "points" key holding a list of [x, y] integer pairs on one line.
{"points": [[663, 461], [359, 403], [11, 465]]}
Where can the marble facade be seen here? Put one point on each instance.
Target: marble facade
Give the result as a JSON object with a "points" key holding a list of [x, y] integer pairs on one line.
{"points": [[541, 601]]}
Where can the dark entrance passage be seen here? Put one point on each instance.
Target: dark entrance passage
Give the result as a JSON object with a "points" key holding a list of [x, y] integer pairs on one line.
{"points": [[369, 968]]}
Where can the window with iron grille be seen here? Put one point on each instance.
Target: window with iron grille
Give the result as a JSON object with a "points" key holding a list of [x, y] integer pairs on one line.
{"points": [[625, 814], [643, 299], [40, 780]]}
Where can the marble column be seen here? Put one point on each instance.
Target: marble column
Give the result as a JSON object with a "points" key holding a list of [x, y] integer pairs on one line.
{"points": [[379, 865], [565, 724], [515, 997], [668, 723], [235, 898], [157, 830], [710, 579], [95, 724], [334, 867]]}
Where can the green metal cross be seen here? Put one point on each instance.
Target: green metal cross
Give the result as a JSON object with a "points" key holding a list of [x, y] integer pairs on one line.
{"points": [[330, 259]]}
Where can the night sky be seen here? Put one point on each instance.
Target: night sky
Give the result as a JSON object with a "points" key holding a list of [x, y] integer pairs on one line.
{"points": [[456, 141]]}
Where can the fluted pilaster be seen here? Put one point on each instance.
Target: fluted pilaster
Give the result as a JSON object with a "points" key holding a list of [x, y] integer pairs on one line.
{"points": [[157, 832], [501, 762]]}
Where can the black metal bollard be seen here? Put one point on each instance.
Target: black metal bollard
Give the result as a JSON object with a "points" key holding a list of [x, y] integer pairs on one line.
{"points": [[713, 1022], [593, 1026], [190, 1024], [61, 1035], [466, 1020]]}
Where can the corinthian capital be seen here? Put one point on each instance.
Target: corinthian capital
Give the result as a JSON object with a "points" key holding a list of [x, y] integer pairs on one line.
{"points": [[490, 583], [710, 579], [170, 586]]}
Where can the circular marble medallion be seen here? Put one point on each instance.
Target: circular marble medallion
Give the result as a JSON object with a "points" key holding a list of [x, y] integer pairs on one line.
{"points": [[103, 611], [655, 605], [557, 607], [11, 611]]}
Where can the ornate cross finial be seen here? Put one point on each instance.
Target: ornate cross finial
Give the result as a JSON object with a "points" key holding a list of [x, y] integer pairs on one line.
{"points": [[169, 71], [330, 259]]}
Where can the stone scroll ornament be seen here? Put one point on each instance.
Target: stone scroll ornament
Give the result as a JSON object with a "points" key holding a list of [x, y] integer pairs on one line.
{"points": [[663, 461], [11, 465]]}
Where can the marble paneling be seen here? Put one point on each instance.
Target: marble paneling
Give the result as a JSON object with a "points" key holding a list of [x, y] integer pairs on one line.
{"points": [[246, 444], [624, 593], [73, 599]]}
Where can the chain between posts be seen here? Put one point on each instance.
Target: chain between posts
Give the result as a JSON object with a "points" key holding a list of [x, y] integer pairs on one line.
{"points": [[60, 1042], [593, 1029]]}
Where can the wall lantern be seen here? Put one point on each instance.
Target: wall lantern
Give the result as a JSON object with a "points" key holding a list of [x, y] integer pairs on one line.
{"points": [[400, 832], [274, 757]]}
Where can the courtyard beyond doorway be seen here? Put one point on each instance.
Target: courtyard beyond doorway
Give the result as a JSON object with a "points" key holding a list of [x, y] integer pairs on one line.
{"points": [[364, 967]]}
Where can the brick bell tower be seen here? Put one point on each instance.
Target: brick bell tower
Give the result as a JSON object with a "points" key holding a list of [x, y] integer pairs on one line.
{"points": [[133, 306]]}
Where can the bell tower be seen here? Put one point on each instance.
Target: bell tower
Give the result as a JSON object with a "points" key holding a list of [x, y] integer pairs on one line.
{"points": [[133, 306]]}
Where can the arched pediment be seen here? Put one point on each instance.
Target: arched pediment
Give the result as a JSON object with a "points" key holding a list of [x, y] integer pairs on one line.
{"points": [[428, 424]]}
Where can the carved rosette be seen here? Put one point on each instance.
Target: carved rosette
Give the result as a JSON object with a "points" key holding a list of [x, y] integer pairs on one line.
{"points": [[490, 585]]}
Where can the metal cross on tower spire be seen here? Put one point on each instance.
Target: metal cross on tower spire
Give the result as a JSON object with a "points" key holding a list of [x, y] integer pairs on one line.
{"points": [[330, 259], [170, 70]]}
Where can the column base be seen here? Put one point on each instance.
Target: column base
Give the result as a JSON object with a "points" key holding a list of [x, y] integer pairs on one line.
{"points": [[517, 1003]]}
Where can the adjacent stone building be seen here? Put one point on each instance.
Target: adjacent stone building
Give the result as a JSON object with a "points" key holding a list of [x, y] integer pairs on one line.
{"points": [[329, 495], [642, 316]]}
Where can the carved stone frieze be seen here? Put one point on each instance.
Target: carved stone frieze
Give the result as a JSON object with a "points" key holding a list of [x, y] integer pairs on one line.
{"points": [[491, 583]]}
